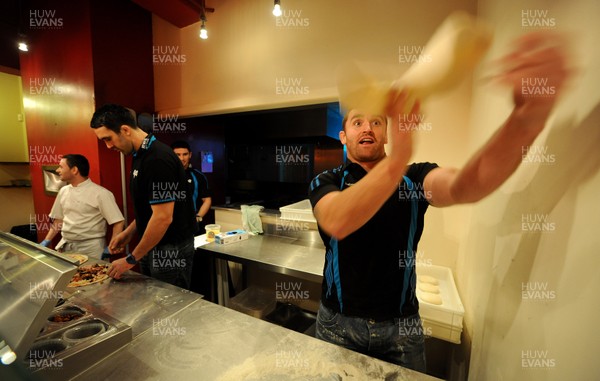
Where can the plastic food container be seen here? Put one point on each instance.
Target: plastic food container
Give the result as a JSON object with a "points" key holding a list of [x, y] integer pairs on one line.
{"points": [[211, 231], [443, 321]]}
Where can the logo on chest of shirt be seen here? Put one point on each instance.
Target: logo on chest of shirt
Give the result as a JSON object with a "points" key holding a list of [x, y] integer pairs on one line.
{"points": [[135, 173]]}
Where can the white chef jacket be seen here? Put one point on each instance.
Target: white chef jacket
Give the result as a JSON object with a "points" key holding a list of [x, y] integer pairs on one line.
{"points": [[85, 211]]}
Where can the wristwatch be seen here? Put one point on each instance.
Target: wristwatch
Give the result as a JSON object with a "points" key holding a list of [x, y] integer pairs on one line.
{"points": [[131, 259]]}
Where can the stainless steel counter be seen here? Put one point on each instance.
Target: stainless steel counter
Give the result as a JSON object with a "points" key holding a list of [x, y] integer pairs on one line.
{"points": [[283, 255], [137, 300], [205, 341]]}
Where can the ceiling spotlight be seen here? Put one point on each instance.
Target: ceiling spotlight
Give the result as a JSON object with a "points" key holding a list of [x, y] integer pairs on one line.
{"points": [[277, 8], [23, 46], [203, 32]]}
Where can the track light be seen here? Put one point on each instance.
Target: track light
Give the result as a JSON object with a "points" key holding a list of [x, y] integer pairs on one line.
{"points": [[277, 8], [203, 32], [22, 43]]}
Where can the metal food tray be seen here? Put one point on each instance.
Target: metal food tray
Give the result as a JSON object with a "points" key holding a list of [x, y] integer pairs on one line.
{"points": [[65, 349]]}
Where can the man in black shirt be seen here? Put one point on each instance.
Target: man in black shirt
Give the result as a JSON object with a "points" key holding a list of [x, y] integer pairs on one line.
{"points": [[197, 182], [164, 215], [370, 210]]}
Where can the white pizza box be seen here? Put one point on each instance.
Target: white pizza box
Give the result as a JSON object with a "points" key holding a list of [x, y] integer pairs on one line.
{"points": [[446, 318], [299, 211]]}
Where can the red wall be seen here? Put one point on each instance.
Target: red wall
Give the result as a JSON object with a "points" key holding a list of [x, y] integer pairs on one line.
{"points": [[58, 92], [94, 53]]}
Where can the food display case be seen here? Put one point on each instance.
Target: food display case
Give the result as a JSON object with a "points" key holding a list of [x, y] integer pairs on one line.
{"points": [[50, 338]]}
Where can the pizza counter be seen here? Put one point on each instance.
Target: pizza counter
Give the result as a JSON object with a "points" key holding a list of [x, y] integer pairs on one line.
{"points": [[205, 341], [141, 328]]}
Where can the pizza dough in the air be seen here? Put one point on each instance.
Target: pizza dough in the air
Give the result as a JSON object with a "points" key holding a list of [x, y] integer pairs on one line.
{"points": [[455, 49]]}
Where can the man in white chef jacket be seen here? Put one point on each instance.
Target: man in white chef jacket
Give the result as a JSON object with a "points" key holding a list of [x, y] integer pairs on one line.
{"points": [[368, 300], [82, 210]]}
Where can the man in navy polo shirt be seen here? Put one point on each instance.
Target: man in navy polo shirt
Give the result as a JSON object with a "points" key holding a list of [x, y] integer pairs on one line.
{"points": [[164, 213], [368, 300]]}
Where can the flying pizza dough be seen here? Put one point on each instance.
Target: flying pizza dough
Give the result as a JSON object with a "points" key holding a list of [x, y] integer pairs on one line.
{"points": [[454, 50]]}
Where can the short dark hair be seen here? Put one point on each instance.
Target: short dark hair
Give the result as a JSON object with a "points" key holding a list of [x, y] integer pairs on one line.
{"points": [[79, 161], [181, 144], [113, 116]]}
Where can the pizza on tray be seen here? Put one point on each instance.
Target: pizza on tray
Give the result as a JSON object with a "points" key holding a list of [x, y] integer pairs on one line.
{"points": [[81, 258], [86, 275]]}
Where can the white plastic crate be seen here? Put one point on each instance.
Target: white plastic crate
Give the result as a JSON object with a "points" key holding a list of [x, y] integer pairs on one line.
{"points": [[445, 319], [299, 211]]}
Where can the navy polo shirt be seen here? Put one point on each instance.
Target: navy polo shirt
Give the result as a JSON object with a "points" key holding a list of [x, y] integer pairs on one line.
{"points": [[157, 176], [198, 185], [371, 272]]}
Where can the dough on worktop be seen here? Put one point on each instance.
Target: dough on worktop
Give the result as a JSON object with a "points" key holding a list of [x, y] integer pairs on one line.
{"points": [[431, 298], [426, 287]]}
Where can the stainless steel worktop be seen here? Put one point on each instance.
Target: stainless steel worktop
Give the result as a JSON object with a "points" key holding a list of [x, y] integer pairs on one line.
{"points": [[205, 341], [137, 300], [283, 255]]}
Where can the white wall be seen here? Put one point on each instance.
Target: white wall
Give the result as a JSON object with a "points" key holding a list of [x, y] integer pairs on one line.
{"points": [[493, 258], [556, 331], [246, 53]]}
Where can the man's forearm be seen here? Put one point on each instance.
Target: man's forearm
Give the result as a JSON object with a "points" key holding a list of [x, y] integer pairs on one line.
{"points": [[154, 232], [117, 228], [205, 207], [500, 156], [54, 229]]}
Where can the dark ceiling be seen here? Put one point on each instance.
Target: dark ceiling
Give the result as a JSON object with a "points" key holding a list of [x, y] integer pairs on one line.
{"points": [[180, 13], [9, 30]]}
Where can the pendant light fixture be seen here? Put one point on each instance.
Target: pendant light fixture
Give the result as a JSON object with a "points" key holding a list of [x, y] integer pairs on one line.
{"points": [[277, 8]]}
